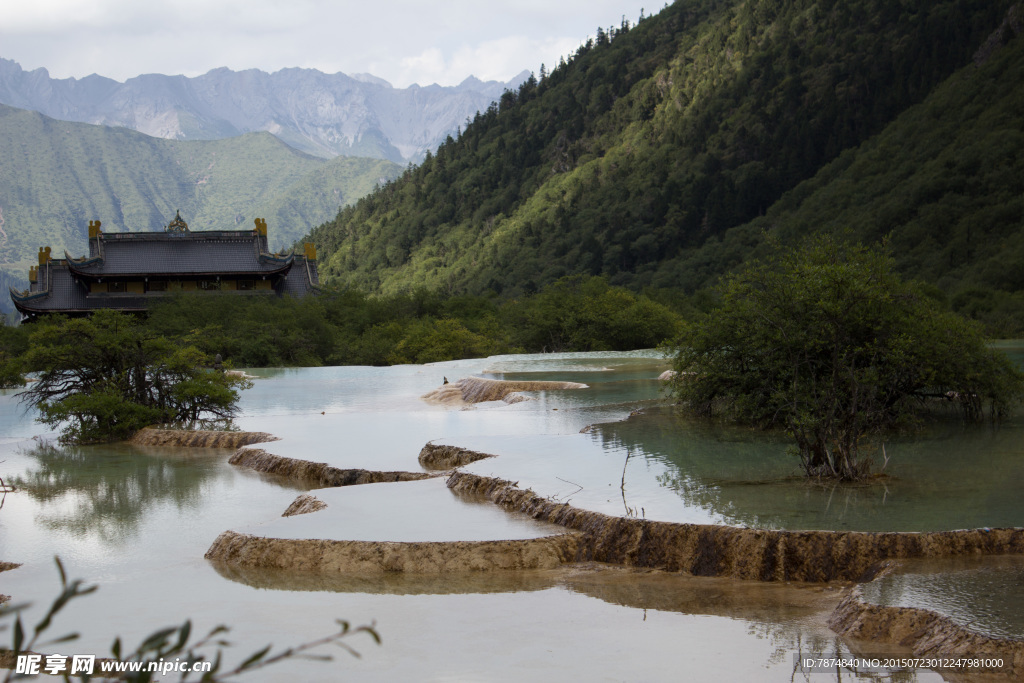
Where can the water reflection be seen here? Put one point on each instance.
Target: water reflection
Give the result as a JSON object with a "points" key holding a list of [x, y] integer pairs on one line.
{"points": [[565, 625], [393, 583], [105, 490], [935, 480], [595, 622], [984, 594], [423, 511]]}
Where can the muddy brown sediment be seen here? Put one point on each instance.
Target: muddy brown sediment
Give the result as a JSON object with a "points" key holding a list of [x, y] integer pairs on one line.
{"points": [[303, 505], [366, 557], [926, 633], [198, 438], [392, 583], [479, 389], [644, 588], [441, 457], [741, 553], [319, 474]]}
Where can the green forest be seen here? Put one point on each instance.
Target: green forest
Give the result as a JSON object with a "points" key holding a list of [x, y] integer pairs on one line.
{"points": [[347, 327], [661, 155], [598, 206]]}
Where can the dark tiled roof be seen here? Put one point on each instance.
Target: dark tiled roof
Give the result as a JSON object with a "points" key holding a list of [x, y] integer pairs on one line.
{"points": [[66, 294], [188, 256], [222, 253], [300, 280]]}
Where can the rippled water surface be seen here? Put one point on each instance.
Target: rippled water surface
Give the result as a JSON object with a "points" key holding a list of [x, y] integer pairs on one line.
{"points": [[137, 521], [985, 594]]}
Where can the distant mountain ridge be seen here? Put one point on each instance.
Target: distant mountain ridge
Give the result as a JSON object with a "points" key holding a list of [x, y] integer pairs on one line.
{"points": [[325, 115], [56, 176]]}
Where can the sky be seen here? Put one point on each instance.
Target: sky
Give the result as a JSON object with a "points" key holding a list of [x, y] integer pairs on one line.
{"points": [[401, 41]]}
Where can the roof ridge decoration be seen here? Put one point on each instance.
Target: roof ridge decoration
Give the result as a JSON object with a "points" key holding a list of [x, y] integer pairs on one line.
{"points": [[27, 294], [309, 275], [39, 276], [83, 260], [177, 225], [276, 258], [265, 256]]}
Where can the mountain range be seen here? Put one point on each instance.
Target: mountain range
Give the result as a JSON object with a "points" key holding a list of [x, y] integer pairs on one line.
{"points": [[56, 176], [292, 147], [321, 114]]}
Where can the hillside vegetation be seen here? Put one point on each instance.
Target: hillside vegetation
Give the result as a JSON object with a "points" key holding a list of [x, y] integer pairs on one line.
{"points": [[660, 153], [57, 176], [347, 327], [945, 184]]}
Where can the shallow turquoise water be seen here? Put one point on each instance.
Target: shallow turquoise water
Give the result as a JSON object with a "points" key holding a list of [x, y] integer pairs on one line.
{"points": [[948, 476], [137, 521]]}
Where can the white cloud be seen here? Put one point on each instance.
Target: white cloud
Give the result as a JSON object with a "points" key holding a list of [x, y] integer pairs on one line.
{"points": [[430, 62], [498, 60], [403, 41]]}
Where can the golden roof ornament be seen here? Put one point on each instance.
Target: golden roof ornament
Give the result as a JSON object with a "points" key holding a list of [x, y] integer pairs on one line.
{"points": [[177, 225]]}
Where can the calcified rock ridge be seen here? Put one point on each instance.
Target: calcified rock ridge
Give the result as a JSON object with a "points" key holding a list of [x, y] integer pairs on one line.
{"points": [[927, 634], [471, 390], [705, 550], [317, 473], [303, 505], [442, 457], [699, 549], [198, 438], [426, 557], [758, 554]]}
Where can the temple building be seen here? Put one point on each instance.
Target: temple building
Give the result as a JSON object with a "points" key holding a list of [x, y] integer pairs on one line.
{"points": [[127, 271]]}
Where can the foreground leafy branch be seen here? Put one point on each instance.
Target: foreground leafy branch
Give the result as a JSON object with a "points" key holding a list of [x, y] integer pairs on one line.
{"points": [[162, 646]]}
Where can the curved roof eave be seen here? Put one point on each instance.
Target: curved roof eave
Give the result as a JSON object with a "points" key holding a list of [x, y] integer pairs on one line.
{"points": [[82, 261], [87, 275], [37, 311], [26, 295]]}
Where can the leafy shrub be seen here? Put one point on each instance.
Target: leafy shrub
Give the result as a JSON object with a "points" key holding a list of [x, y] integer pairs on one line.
{"points": [[104, 377], [830, 344]]}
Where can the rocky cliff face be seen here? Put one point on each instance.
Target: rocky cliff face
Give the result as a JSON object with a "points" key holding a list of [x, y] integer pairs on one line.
{"points": [[322, 114]]}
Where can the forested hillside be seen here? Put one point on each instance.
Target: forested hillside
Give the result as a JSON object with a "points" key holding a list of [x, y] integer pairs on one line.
{"points": [[56, 176], [653, 156], [944, 183]]}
